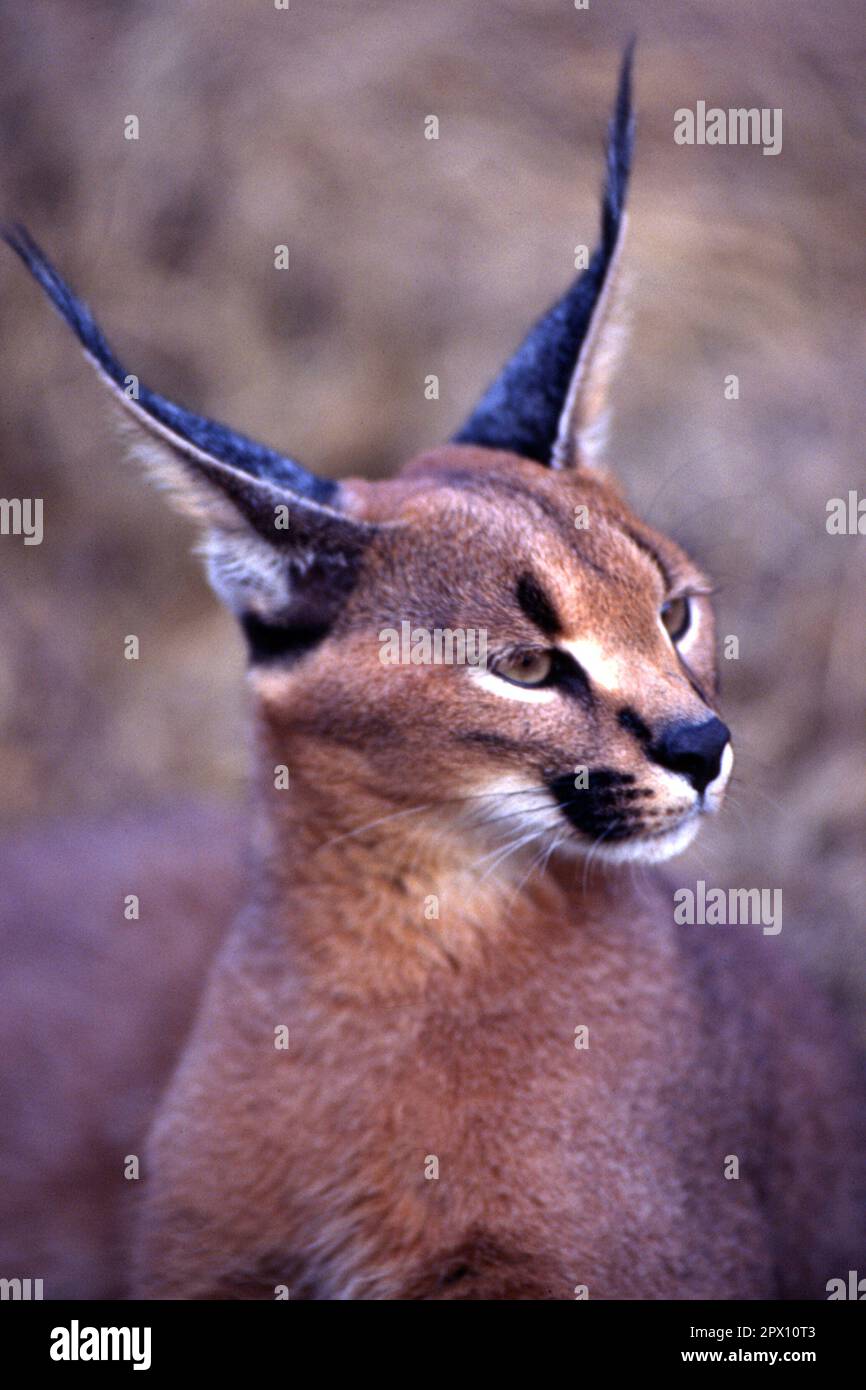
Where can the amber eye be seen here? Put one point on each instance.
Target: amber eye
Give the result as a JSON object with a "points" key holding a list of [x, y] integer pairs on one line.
{"points": [[676, 616], [525, 667]]}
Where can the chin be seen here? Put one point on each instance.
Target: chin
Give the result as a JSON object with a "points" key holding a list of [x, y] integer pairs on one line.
{"points": [[646, 849]]}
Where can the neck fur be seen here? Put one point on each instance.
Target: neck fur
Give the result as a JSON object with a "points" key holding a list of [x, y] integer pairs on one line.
{"points": [[371, 898]]}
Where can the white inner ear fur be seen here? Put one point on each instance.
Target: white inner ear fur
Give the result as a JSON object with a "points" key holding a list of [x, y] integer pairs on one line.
{"points": [[246, 573], [196, 496]]}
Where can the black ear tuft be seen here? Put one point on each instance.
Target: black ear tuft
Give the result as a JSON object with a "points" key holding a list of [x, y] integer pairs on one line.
{"points": [[522, 409], [208, 436], [282, 552], [620, 147]]}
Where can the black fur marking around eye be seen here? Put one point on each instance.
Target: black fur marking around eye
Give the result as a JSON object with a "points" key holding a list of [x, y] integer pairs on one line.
{"points": [[537, 607], [570, 678]]}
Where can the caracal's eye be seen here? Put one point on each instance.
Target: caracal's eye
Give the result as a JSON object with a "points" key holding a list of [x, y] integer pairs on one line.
{"points": [[676, 617], [524, 667]]}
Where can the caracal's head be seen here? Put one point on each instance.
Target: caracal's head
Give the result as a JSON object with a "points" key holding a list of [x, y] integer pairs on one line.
{"points": [[490, 643], [522, 640]]}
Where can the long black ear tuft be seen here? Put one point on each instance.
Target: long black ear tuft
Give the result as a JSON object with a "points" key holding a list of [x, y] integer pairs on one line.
{"points": [[523, 410], [283, 551], [208, 436]]}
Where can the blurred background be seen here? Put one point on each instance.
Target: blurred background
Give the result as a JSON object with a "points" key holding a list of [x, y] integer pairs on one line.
{"points": [[305, 127]]}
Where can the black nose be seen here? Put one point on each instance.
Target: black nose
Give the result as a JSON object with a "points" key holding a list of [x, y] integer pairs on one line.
{"points": [[695, 750]]}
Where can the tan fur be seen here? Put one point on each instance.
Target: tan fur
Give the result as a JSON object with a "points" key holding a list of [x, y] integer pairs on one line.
{"points": [[453, 1037], [431, 930]]}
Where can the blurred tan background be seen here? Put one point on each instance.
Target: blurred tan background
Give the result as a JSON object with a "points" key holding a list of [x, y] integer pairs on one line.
{"points": [[408, 257]]}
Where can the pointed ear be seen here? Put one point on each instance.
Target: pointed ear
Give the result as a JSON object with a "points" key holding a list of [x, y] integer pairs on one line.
{"points": [[549, 401], [283, 563], [281, 554], [582, 430]]}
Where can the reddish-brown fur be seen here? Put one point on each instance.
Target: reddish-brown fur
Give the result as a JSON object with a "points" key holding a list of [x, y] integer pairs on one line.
{"points": [[453, 1037], [428, 924]]}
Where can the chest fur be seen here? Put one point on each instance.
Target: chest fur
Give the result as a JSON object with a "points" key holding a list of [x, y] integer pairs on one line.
{"points": [[567, 1130]]}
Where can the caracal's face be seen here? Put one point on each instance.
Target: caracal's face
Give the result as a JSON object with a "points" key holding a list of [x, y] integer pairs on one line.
{"points": [[568, 699]]}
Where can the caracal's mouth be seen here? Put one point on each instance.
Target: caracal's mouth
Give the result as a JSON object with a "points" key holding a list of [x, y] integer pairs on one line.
{"points": [[618, 821]]}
